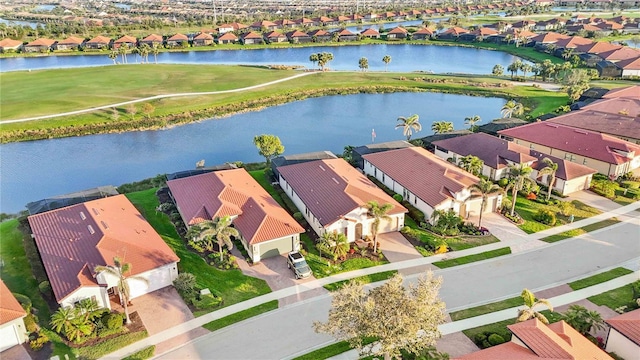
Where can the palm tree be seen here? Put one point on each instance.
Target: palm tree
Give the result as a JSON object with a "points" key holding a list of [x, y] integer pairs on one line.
{"points": [[155, 50], [363, 63], [472, 121], [144, 50], [113, 55], [409, 124], [378, 212], [62, 319], [218, 229], [511, 108], [335, 243], [471, 164], [485, 188], [313, 58], [386, 60], [519, 175], [583, 319], [441, 127], [550, 169], [122, 51], [531, 302], [525, 69], [118, 270]]}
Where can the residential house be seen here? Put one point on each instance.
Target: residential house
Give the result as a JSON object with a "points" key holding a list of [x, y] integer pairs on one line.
{"points": [[624, 335], [332, 196], [397, 33], [532, 340], [252, 37], [370, 33], [286, 23], [298, 37], [130, 41], [7, 45], [178, 40], [264, 25], [325, 21], [524, 24], [202, 39], [345, 35], [305, 22], [275, 37], [616, 117], [285, 160], [98, 43], [632, 92], [575, 29], [75, 239], [39, 45], [629, 67], [624, 53], [422, 34], [70, 43], [371, 17], [452, 33], [12, 329], [547, 38], [227, 38], [572, 42], [266, 229], [606, 154], [597, 47], [320, 35], [429, 183], [570, 177], [153, 39], [225, 28], [551, 24], [427, 141], [359, 151], [481, 34]]}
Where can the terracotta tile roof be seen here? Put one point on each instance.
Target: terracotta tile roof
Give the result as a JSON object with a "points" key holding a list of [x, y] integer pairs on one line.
{"points": [[344, 32], [424, 31], [297, 33], [73, 240], [522, 34], [609, 122], [274, 34], [629, 64], [126, 39], [234, 193], [492, 150], [100, 40], [456, 31], [484, 31], [506, 351], [72, 40], [203, 36], [331, 188], [370, 32], [398, 30], [627, 324], [238, 26], [629, 91], [567, 170], [9, 43], [304, 21], [597, 47], [263, 23], [430, 178], [252, 35], [10, 308], [153, 38], [228, 36], [573, 42], [319, 32], [549, 37], [41, 42], [620, 54], [586, 143], [178, 37]]}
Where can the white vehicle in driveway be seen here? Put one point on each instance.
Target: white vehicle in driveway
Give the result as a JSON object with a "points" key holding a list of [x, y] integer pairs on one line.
{"points": [[297, 263]]}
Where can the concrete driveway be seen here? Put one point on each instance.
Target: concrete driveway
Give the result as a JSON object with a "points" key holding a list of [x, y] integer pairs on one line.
{"points": [[396, 248]]}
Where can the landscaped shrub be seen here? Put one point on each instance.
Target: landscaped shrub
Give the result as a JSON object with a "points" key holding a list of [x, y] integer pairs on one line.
{"points": [[39, 342], [503, 182], [185, 283], [24, 301], [224, 261], [113, 321], [545, 216], [298, 216], [495, 339], [632, 193], [45, 288], [630, 184], [31, 323], [397, 197]]}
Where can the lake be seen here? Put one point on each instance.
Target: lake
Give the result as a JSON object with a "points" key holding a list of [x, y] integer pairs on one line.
{"points": [[404, 58], [30, 24], [30, 171]]}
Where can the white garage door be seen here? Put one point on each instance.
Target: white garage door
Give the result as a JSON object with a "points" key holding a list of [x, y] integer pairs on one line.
{"points": [[157, 278], [275, 247], [8, 337]]}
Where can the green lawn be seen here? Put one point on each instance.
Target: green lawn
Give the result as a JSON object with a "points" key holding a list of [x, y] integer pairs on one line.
{"points": [[240, 316], [143, 354], [599, 278], [580, 231], [331, 350], [472, 258], [367, 279], [108, 346], [528, 208], [486, 309], [456, 243], [615, 298]]}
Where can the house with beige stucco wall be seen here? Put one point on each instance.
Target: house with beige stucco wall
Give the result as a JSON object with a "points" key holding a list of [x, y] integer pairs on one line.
{"points": [[624, 335]]}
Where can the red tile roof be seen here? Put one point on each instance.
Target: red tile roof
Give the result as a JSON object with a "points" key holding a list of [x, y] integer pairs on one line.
{"points": [[178, 37], [126, 39], [456, 31], [629, 64], [233, 193], [573, 42], [620, 54], [203, 36], [616, 105], [297, 33], [41, 42], [586, 143], [252, 35], [398, 30], [627, 324], [567, 170], [608, 122], [153, 38], [274, 34], [485, 31], [319, 32], [9, 43], [228, 36], [370, 32], [73, 240], [424, 31], [10, 308], [430, 178], [549, 37], [263, 23], [331, 188], [72, 40], [344, 32], [597, 47], [100, 40], [629, 91]]}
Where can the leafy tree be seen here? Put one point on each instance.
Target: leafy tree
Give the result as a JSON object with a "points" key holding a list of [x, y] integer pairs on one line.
{"points": [[441, 127], [512, 108], [218, 230], [378, 213], [323, 59], [386, 60], [148, 109], [485, 188], [583, 319], [397, 318], [313, 58], [334, 243], [530, 303], [471, 122], [118, 270], [409, 124], [550, 169], [519, 176], [498, 70], [471, 164], [363, 63], [268, 146]]}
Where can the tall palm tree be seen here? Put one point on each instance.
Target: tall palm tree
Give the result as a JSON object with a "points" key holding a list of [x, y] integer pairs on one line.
{"points": [[441, 127], [485, 188], [550, 169], [519, 176], [118, 270], [313, 58], [471, 121], [218, 229], [144, 50], [379, 213], [511, 108], [530, 303], [386, 60], [409, 124], [335, 243], [113, 55], [155, 50], [122, 51], [471, 164]]}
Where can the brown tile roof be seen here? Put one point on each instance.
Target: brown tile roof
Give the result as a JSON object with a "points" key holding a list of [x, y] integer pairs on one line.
{"points": [[627, 324], [620, 54], [274, 34], [492, 150], [549, 37], [228, 36], [100, 40], [629, 64], [203, 36], [485, 31], [73, 240], [41, 42], [586, 143], [234, 193], [10, 43], [153, 38], [629, 91], [609, 122], [297, 33], [319, 32], [304, 21], [10, 308], [370, 32], [344, 32], [424, 31], [456, 31], [573, 42], [430, 178], [331, 188], [252, 35], [597, 47], [398, 30], [72, 40], [567, 170], [263, 23], [178, 37], [126, 39]]}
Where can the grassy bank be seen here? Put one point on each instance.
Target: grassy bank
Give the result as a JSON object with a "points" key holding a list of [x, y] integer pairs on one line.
{"points": [[472, 258], [580, 231]]}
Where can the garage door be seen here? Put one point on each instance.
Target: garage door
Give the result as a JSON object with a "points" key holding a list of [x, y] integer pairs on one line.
{"points": [[275, 247], [8, 337]]}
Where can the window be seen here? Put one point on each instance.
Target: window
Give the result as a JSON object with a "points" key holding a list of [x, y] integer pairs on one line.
{"points": [[584, 162], [532, 146], [569, 157], [382, 177]]}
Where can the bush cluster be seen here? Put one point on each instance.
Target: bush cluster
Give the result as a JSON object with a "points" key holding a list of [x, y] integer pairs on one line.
{"points": [[545, 216], [39, 342], [488, 339]]}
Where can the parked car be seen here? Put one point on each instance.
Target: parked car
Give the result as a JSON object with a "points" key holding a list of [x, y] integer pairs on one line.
{"points": [[297, 263]]}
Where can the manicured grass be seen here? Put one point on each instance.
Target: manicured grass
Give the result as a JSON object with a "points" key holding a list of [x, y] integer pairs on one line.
{"points": [[232, 285], [473, 258], [367, 279], [528, 53], [143, 354], [486, 309], [108, 346], [618, 197], [615, 298], [580, 231], [461, 242], [599, 278], [261, 178], [240, 316], [528, 208], [331, 350]]}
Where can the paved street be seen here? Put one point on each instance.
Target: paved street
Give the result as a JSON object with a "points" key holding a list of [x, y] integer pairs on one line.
{"points": [[287, 331]]}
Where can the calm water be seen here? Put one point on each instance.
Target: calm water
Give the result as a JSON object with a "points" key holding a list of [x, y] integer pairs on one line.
{"points": [[404, 57], [30, 24], [34, 170]]}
